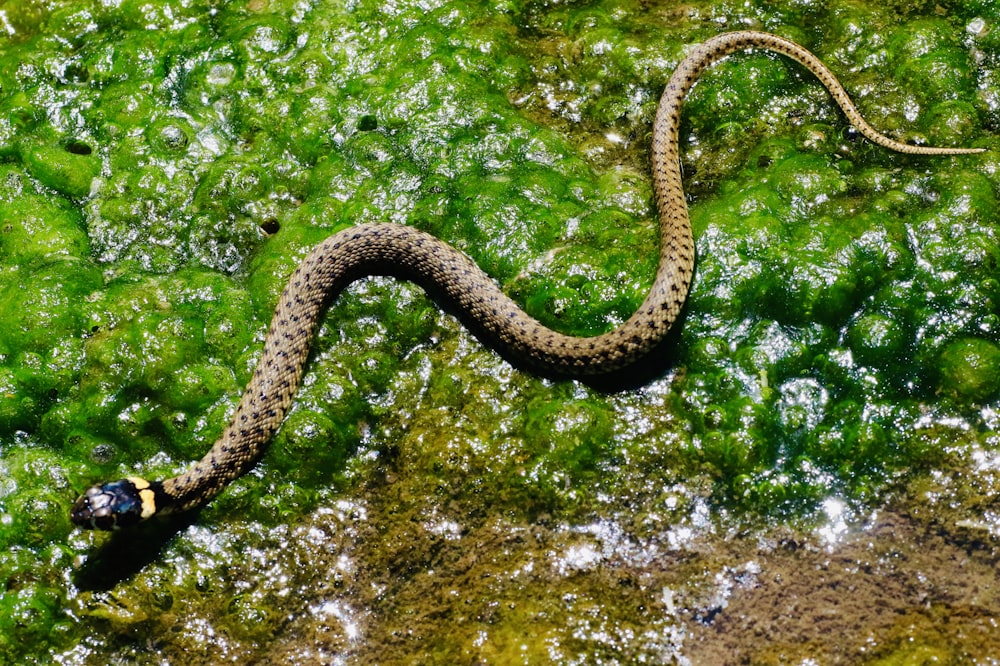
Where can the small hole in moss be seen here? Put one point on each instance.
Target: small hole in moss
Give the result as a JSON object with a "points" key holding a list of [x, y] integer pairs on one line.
{"points": [[270, 226], [367, 123], [76, 73], [79, 148]]}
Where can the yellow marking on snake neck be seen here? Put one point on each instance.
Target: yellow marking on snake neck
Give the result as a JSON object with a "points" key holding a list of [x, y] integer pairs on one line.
{"points": [[139, 482], [147, 496]]}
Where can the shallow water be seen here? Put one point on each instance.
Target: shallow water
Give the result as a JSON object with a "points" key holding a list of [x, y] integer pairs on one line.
{"points": [[818, 440]]}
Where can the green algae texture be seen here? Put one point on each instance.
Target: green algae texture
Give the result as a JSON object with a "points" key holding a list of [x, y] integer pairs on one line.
{"points": [[164, 164]]}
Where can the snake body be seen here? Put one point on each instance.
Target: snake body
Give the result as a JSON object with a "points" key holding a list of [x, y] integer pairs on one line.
{"points": [[372, 248]]}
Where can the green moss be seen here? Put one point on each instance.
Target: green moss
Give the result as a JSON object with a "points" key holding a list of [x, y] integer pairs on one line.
{"points": [[38, 316], [968, 369], [69, 170], [34, 228]]}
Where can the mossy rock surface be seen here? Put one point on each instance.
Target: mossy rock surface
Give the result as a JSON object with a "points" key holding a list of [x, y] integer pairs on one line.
{"points": [[164, 165]]}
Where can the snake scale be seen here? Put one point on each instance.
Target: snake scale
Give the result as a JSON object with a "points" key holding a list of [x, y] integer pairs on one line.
{"points": [[370, 248]]}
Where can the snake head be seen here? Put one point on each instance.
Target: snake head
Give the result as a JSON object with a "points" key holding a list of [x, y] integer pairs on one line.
{"points": [[109, 506]]}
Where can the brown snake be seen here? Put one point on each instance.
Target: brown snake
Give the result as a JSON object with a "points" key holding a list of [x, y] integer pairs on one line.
{"points": [[371, 248]]}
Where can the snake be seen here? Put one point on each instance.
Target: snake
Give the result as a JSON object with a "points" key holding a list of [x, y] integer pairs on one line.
{"points": [[387, 248]]}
